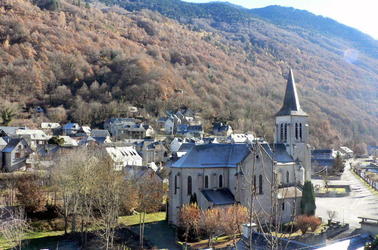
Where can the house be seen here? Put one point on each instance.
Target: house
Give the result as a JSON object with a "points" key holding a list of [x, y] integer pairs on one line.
{"points": [[14, 155], [49, 125], [245, 173], [70, 128], [190, 130], [139, 173], [9, 131], [176, 118], [113, 124], [34, 137], [221, 129], [322, 160], [83, 131], [347, 152], [136, 131], [373, 150], [123, 156], [68, 142], [240, 138], [154, 152]]}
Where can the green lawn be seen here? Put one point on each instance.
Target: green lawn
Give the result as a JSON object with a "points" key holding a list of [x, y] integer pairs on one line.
{"points": [[134, 219], [332, 190], [123, 220]]}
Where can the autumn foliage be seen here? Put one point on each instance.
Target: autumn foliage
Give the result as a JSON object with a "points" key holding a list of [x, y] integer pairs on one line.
{"points": [[86, 64]]}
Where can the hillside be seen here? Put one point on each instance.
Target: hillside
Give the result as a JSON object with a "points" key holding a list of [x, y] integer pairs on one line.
{"points": [[87, 64]]}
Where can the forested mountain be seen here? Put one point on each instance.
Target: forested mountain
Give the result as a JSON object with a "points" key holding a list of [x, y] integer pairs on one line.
{"points": [[87, 62]]}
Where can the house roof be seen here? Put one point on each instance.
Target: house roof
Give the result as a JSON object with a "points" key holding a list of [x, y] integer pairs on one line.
{"points": [[10, 130], [213, 155], [323, 162], [291, 104], [100, 133], [35, 134], [49, 125], [219, 196], [71, 125], [12, 144], [278, 152], [120, 154]]}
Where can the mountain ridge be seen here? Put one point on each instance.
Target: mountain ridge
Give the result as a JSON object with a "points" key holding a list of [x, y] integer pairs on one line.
{"points": [[90, 63]]}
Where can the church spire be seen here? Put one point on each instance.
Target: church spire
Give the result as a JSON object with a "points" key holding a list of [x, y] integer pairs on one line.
{"points": [[291, 104]]}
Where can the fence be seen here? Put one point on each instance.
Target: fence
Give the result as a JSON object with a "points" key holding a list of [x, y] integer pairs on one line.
{"points": [[362, 174]]}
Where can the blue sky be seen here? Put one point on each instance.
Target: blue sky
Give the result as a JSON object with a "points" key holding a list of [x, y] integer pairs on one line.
{"points": [[360, 14]]}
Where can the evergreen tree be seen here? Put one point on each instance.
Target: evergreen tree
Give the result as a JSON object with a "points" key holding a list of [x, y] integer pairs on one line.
{"points": [[308, 199], [193, 199], [338, 165]]}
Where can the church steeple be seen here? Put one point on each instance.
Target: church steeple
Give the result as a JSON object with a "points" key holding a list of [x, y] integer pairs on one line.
{"points": [[291, 104]]}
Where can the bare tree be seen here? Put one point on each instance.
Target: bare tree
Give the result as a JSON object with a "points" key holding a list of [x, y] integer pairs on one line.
{"points": [[14, 226], [107, 200], [151, 193]]}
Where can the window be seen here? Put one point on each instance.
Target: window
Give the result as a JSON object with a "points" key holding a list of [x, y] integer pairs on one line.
{"points": [[254, 184], [300, 131], [18, 155], [296, 131], [189, 185], [281, 132], [175, 184], [220, 181], [285, 132], [260, 184], [283, 206], [206, 181], [287, 176]]}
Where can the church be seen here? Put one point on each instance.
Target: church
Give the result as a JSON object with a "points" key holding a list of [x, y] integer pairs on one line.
{"points": [[258, 175]]}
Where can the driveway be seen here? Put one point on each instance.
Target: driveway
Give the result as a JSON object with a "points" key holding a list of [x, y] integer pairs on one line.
{"points": [[360, 202]]}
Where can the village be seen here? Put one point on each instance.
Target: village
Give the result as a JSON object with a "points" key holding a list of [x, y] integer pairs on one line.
{"points": [[284, 193]]}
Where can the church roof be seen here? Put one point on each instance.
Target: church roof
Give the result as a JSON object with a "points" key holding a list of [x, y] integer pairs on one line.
{"points": [[291, 104], [278, 152], [213, 156]]}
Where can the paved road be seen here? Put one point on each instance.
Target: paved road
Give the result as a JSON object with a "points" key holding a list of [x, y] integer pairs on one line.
{"points": [[360, 202]]}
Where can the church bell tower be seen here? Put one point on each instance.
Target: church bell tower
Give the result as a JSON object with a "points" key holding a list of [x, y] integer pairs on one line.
{"points": [[292, 127]]}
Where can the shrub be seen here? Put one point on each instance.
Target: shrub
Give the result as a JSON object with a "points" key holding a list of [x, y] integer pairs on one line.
{"points": [[304, 222]]}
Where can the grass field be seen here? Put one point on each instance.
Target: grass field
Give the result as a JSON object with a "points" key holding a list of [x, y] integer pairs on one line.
{"points": [[123, 221]]}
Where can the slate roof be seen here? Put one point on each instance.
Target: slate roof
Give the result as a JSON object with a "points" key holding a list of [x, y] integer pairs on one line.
{"points": [[10, 130], [71, 125], [12, 145], [291, 104], [100, 133], [213, 155], [278, 152], [219, 196]]}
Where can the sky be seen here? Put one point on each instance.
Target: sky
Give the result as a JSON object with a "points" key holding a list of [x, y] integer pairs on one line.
{"points": [[359, 14]]}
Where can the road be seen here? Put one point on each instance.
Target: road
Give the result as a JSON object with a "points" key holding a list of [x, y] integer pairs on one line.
{"points": [[360, 202]]}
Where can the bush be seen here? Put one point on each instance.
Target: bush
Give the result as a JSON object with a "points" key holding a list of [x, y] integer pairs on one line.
{"points": [[304, 222]]}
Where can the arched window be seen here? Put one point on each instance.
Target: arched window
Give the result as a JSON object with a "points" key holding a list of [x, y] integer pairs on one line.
{"points": [[300, 131], [260, 184], [206, 181], [189, 185], [287, 177], [296, 131], [285, 132], [281, 132], [175, 184], [220, 181], [254, 184]]}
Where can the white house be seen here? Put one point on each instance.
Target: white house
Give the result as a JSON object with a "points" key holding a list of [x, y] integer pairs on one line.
{"points": [[124, 156]]}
